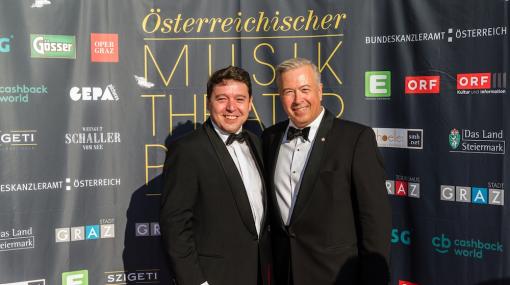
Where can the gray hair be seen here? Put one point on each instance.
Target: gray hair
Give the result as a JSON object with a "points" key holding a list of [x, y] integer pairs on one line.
{"points": [[294, 63]]}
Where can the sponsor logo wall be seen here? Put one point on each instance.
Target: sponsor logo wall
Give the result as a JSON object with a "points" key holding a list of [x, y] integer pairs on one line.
{"points": [[89, 101]]}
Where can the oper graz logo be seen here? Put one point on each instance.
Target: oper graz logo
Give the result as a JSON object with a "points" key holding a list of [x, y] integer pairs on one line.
{"points": [[404, 186], [52, 46], [104, 230], [94, 93]]}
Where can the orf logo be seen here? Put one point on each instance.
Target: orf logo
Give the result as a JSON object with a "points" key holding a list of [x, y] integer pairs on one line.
{"points": [[441, 243], [454, 139], [5, 44], [473, 81], [422, 84]]}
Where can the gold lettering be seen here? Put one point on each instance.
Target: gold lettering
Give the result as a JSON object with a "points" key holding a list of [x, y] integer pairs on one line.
{"points": [[340, 100], [264, 63], [171, 114], [153, 108], [326, 64], [147, 165], [188, 25], [273, 104], [325, 21], [184, 51]]}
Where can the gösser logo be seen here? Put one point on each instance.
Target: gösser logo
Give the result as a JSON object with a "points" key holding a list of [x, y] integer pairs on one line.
{"points": [[94, 93], [53, 46]]}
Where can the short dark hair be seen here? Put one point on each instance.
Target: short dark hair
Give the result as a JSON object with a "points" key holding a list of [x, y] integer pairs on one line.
{"points": [[228, 73]]}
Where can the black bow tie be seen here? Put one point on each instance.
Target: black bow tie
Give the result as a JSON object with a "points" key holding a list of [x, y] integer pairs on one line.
{"points": [[240, 137], [294, 133]]}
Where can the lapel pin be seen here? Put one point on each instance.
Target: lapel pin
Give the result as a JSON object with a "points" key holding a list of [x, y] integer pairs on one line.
{"points": [[323, 139]]}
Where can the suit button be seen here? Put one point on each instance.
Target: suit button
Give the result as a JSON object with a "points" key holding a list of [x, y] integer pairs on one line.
{"points": [[269, 228]]}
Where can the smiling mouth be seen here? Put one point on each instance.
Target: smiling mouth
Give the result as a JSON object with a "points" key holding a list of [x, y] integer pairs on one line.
{"points": [[230, 117], [299, 108]]}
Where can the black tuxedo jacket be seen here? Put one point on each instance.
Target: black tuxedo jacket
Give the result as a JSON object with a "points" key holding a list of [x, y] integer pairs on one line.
{"points": [[206, 222], [339, 231]]}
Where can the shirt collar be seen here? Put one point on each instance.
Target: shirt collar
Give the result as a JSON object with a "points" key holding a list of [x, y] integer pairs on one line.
{"points": [[314, 127], [223, 135]]}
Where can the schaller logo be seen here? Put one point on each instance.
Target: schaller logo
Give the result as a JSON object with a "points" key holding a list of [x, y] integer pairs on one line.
{"points": [[378, 84], [94, 93], [53, 46], [93, 138], [404, 186], [5, 43], [104, 230], [422, 84], [492, 195], [477, 141], [399, 138], [470, 248], [104, 47], [80, 277]]}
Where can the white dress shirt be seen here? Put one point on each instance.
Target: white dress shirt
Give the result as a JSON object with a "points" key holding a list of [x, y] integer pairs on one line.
{"points": [[247, 167], [290, 165]]}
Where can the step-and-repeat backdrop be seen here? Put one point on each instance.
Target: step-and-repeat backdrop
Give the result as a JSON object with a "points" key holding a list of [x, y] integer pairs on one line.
{"points": [[92, 91]]}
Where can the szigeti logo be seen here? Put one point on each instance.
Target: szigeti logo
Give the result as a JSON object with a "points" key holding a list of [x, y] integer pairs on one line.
{"points": [[18, 139], [404, 186], [104, 47], [477, 141], [494, 194], [5, 43], [20, 93], [104, 230], [30, 282], [469, 248], [141, 276], [93, 138], [400, 237], [481, 83], [422, 84], [94, 93], [378, 84], [147, 229], [17, 239], [53, 46], [399, 138], [80, 277]]}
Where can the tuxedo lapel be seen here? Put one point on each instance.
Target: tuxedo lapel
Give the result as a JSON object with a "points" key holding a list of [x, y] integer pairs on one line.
{"points": [[256, 153], [233, 178], [275, 143], [312, 166]]}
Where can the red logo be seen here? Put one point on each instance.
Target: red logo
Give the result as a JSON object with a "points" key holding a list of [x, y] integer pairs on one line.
{"points": [[402, 282], [104, 47], [422, 84], [401, 188], [473, 81]]}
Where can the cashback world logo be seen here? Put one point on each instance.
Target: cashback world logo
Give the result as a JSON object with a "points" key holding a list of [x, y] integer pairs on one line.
{"points": [[467, 248], [52, 46], [21, 93]]}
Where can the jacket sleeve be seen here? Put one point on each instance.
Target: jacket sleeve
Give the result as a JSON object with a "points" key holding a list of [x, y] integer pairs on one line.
{"points": [[180, 190], [373, 210]]}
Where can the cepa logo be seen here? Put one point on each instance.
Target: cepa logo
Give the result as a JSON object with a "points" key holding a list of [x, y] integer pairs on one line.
{"points": [[94, 93], [5, 44], [441, 244]]}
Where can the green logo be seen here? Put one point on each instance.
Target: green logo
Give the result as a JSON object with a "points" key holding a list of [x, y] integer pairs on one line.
{"points": [[377, 84], [52, 46], [454, 139], [80, 277]]}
